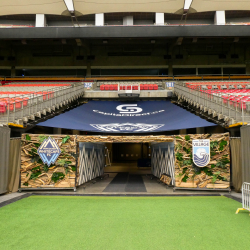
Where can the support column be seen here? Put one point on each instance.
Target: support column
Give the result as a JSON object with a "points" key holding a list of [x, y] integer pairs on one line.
{"points": [[170, 70], [13, 71], [248, 69], [57, 131], [99, 19], [128, 20], [247, 56], [41, 20], [200, 130], [159, 18], [88, 72], [219, 18]]}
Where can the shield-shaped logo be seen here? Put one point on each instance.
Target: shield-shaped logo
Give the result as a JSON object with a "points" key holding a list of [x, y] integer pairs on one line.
{"points": [[127, 127], [88, 85], [201, 152], [49, 151]]}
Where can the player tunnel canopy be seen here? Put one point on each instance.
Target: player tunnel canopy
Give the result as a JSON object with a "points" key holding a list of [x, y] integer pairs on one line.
{"points": [[127, 117]]}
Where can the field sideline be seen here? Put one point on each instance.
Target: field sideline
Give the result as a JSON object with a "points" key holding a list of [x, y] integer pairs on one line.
{"points": [[73, 222]]}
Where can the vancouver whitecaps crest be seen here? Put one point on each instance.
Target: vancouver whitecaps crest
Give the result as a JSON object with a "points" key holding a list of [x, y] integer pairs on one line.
{"points": [[49, 151], [127, 127]]}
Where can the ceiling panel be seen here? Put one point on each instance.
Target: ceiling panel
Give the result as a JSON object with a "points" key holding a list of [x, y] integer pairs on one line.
{"points": [[213, 5], [109, 6], [12, 7]]}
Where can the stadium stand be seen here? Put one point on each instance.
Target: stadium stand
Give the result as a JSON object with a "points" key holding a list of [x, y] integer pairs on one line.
{"points": [[139, 40], [22, 101], [129, 85]]}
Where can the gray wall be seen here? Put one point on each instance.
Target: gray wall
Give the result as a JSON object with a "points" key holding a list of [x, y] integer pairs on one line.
{"points": [[4, 159], [245, 149]]}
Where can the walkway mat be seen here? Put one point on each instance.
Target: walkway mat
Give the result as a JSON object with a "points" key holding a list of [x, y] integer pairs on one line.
{"points": [[123, 182], [118, 184], [135, 184]]}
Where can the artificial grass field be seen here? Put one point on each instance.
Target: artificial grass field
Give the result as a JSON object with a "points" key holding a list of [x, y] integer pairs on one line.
{"points": [[73, 222]]}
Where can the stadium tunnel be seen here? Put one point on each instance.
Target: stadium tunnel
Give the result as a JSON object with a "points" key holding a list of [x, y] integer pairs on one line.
{"points": [[130, 165]]}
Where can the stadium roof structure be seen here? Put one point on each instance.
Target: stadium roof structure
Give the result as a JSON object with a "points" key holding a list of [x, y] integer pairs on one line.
{"points": [[217, 5], [84, 7], [107, 6], [15, 7]]}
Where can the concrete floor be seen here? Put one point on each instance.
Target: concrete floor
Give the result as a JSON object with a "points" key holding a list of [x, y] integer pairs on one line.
{"points": [[153, 187]]}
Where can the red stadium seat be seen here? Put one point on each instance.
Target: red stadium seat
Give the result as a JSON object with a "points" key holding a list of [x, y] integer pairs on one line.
{"points": [[145, 86], [3, 107], [155, 87], [102, 87]]}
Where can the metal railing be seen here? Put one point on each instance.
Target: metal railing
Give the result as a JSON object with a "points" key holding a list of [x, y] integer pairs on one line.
{"points": [[245, 197], [229, 110], [19, 108]]}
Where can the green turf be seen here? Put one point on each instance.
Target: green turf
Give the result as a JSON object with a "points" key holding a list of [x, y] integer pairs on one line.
{"points": [[53, 222]]}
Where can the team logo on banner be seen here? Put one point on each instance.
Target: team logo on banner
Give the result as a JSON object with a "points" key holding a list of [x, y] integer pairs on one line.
{"points": [[49, 151], [129, 109], [201, 152], [88, 85], [127, 127]]}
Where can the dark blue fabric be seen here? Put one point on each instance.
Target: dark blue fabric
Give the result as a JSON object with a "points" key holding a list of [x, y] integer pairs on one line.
{"points": [[131, 117]]}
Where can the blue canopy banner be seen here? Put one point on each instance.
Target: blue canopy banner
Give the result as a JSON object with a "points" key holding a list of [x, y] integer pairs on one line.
{"points": [[127, 117]]}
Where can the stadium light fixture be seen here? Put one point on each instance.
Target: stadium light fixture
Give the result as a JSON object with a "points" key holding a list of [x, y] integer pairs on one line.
{"points": [[187, 4], [70, 5]]}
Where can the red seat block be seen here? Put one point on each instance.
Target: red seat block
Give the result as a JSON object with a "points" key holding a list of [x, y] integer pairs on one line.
{"points": [[2, 107], [106, 87], [151, 87], [155, 87], [145, 86], [102, 87]]}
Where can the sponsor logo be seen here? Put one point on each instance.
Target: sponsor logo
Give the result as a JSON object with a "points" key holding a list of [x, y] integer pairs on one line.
{"points": [[49, 151], [88, 85], [201, 152], [127, 127], [169, 84], [129, 109]]}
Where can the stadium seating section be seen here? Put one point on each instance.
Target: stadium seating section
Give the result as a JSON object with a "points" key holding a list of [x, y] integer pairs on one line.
{"points": [[14, 96], [129, 85], [236, 94]]}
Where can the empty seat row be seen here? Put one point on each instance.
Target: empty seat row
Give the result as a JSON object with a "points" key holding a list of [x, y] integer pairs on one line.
{"points": [[111, 87], [12, 104], [36, 85]]}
